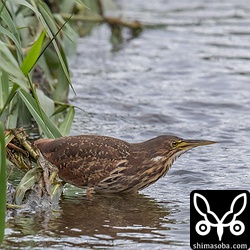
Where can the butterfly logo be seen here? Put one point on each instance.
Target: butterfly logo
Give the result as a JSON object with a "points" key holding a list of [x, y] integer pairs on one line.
{"points": [[203, 227]]}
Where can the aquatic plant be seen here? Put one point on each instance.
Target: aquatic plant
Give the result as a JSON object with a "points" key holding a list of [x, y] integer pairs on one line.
{"points": [[34, 76], [2, 182]]}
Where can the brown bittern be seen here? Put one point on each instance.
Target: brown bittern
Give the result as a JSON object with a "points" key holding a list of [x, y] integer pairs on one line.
{"points": [[108, 165]]}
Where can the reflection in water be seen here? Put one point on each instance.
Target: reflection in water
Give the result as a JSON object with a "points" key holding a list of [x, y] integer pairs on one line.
{"points": [[103, 221]]}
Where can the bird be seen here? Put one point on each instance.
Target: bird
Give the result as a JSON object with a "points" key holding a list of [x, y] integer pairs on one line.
{"points": [[104, 164]]}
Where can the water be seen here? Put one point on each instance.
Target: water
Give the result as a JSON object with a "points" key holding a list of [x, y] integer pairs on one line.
{"points": [[188, 74]]}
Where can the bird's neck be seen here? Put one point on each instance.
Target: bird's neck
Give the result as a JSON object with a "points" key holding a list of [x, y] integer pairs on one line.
{"points": [[162, 164]]}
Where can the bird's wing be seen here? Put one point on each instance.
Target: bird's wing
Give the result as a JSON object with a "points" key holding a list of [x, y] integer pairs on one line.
{"points": [[85, 160]]}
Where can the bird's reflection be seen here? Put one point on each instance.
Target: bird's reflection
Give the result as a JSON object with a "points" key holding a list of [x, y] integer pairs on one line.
{"points": [[112, 211], [104, 218]]}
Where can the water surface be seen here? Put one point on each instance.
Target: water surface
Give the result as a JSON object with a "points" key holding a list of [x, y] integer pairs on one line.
{"points": [[187, 74]]}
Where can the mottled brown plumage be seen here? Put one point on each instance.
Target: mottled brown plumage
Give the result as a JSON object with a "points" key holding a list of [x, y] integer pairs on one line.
{"points": [[109, 165]]}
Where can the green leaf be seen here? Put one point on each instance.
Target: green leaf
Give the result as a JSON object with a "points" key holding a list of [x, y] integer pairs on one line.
{"points": [[67, 123], [12, 37], [70, 37], [41, 118], [33, 55], [21, 114], [9, 64], [12, 113], [46, 103], [8, 60], [9, 98], [49, 23], [62, 108], [4, 88], [2, 182], [25, 3], [67, 6], [7, 16], [26, 184]]}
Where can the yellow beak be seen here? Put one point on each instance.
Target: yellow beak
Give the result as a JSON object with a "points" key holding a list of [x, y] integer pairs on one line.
{"points": [[188, 144]]}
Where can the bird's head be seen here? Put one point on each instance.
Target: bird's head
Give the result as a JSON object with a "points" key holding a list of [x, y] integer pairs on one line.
{"points": [[172, 146]]}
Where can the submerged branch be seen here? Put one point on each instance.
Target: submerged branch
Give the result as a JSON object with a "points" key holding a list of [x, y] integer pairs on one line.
{"points": [[40, 186], [135, 25]]}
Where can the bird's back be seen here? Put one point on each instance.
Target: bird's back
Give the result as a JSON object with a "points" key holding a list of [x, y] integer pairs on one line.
{"points": [[84, 160]]}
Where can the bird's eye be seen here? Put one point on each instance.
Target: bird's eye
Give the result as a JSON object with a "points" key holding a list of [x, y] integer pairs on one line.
{"points": [[174, 144]]}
